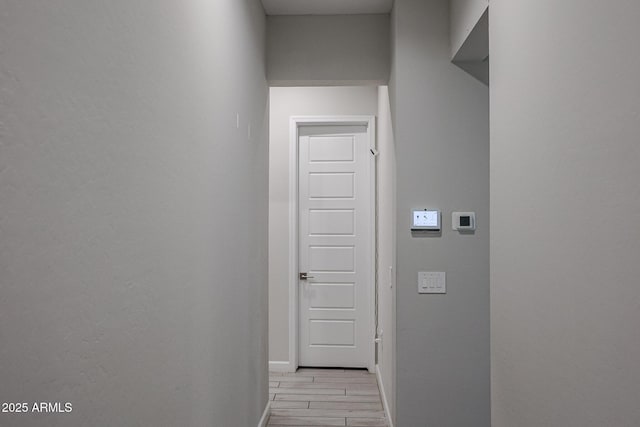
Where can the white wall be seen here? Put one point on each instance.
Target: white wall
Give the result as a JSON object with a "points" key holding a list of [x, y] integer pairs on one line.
{"points": [[328, 50], [442, 152], [565, 300], [133, 248], [284, 103], [386, 244], [464, 16]]}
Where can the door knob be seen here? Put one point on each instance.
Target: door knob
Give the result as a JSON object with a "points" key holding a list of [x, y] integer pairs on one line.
{"points": [[305, 276]]}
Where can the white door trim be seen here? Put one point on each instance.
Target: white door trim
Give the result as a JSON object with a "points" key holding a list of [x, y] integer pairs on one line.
{"points": [[295, 123]]}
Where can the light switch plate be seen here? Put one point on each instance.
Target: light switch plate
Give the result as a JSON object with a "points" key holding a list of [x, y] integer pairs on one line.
{"points": [[463, 221], [432, 282]]}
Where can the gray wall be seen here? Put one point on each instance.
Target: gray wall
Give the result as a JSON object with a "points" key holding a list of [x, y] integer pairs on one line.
{"points": [[284, 103], [386, 247], [464, 16], [442, 152], [565, 246], [470, 37], [328, 50], [133, 248]]}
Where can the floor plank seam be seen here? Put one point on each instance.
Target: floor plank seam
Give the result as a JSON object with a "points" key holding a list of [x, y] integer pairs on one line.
{"points": [[326, 397]]}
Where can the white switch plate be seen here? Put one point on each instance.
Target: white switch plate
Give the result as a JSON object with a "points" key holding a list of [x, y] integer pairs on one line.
{"points": [[455, 221], [432, 282]]}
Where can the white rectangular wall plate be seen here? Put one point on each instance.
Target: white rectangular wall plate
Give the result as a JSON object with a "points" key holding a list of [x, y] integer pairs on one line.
{"points": [[432, 282], [463, 221], [426, 219]]}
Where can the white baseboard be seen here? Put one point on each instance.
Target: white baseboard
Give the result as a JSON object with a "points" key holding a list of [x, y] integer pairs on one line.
{"points": [[383, 395], [280, 366], [265, 415]]}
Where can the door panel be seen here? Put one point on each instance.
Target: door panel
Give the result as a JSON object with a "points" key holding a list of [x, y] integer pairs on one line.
{"points": [[334, 247], [331, 295], [330, 185], [331, 259], [331, 222], [336, 333], [331, 149]]}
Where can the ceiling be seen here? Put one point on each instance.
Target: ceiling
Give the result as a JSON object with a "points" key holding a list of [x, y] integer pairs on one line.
{"points": [[326, 7]]}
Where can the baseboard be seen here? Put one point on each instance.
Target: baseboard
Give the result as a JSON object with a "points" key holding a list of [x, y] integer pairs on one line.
{"points": [[265, 415], [383, 395], [280, 366]]}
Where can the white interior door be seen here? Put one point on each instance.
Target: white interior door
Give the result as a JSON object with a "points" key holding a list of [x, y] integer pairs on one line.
{"points": [[335, 236]]}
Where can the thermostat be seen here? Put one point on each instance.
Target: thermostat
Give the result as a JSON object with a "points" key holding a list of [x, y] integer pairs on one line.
{"points": [[425, 219], [463, 221]]}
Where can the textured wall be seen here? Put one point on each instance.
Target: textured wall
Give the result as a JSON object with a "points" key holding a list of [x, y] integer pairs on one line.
{"points": [[565, 245], [328, 50], [133, 242], [441, 130]]}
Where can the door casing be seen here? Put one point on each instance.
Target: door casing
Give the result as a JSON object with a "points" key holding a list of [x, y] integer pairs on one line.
{"points": [[295, 123]]}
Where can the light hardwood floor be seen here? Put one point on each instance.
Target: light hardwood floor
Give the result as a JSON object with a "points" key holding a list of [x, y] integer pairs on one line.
{"points": [[325, 397]]}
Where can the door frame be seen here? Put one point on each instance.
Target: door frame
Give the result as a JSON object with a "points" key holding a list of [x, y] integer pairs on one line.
{"points": [[295, 123]]}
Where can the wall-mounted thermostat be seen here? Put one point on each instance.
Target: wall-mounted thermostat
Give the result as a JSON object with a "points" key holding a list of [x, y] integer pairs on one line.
{"points": [[425, 219], [463, 221]]}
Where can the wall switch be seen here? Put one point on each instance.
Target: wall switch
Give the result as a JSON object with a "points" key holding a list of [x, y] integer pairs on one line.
{"points": [[432, 282]]}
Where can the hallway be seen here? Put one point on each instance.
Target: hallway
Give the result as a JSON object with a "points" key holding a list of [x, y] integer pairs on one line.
{"points": [[325, 397], [184, 216]]}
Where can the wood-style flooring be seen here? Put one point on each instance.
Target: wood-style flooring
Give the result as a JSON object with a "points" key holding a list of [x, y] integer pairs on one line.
{"points": [[325, 397]]}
